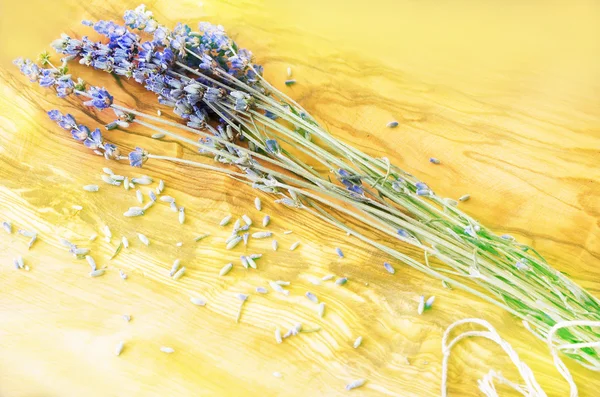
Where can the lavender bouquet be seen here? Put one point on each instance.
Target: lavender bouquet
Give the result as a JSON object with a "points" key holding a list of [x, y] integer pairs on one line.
{"points": [[247, 129]]}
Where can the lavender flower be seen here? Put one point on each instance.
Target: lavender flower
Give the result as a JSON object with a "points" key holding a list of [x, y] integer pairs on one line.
{"points": [[94, 140], [101, 99], [137, 157]]}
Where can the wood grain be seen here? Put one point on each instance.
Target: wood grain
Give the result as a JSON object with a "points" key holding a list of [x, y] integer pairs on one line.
{"points": [[505, 95]]}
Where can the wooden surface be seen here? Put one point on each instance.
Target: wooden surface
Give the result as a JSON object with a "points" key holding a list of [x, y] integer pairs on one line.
{"points": [[506, 95]]}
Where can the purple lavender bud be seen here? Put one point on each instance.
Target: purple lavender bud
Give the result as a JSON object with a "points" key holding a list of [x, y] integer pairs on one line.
{"points": [[433, 160], [273, 146], [339, 252], [101, 99], [356, 189], [55, 115], [87, 22], [152, 195], [423, 192], [421, 185], [111, 152], [137, 157], [403, 233], [270, 115], [80, 133], [94, 140], [67, 122]]}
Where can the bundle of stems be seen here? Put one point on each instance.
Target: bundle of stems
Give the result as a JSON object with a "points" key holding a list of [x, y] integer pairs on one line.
{"points": [[245, 122]]}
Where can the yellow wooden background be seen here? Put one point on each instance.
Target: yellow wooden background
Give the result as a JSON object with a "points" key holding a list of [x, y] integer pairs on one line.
{"points": [[506, 94]]}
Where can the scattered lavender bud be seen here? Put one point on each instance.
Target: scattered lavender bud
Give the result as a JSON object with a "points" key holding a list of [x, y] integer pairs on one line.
{"points": [[357, 342], [179, 243], [144, 180], [179, 273], [341, 281], [389, 268], [108, 171], [127, 317], [93, 237], [173, 207], [274, 245], [133, 212], [158, 135], [27, 233], [266, 220], [143, 239], [167, 199], [433, 160], [166, 349], [245, 237], [355, 384], [7, 226], [278, 288], [287, 232], [247, 219], [312, 297], [225, 220], [160, 187], [278, 337], [290, 82], [119, 348], [277, 374], [198, 301], [339, 252], [91, 262], [125, 242], [152, 195], [201, 237], [176, 265], [429, 302], [244, 261], [328, 277], [259, 235], [126, 183], [243, 298], [421, 307], [465, 197], [139, 196], [19, 264], [289, 72], [149, 204], [97, 273], [233, 243], [237, 225], [321, 309], [258, 204], [181, 215], [122, 275], [91, 188], [251, 262], [294, 246], [226, 269], [261, 290], [392, 124]]}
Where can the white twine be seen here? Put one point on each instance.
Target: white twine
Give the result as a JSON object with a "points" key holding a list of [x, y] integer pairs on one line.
{"points": [[486, 384], [531, 387]]}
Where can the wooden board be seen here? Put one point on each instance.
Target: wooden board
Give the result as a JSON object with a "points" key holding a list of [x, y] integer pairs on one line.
{"points": [[506, 95]]}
